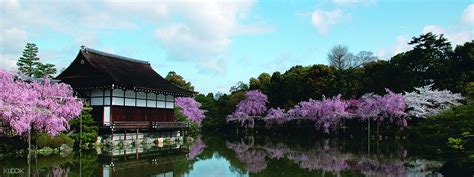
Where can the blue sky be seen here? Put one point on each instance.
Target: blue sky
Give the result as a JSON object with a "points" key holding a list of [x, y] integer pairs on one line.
{"points": [[215, 44]]}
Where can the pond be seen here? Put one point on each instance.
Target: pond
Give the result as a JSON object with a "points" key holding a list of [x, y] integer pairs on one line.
{"points": [[212, 155]]}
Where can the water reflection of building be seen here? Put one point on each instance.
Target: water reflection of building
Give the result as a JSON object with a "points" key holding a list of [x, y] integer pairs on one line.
{"points": [[126, 94], [157, 161], [165, 160]]}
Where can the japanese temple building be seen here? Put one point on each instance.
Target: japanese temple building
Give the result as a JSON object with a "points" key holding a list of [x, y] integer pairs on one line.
{"points": [[125, 94]]}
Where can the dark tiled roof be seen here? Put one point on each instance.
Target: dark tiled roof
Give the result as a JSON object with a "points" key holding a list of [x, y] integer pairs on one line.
{"points": [[93, 68]]}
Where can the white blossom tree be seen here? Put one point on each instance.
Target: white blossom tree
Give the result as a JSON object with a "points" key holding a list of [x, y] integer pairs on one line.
{"points": [[425, 102]]}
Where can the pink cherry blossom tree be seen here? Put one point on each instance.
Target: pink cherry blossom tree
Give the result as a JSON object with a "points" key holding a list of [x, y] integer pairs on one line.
{"points": [[277, 116], [43, 106], [246, 111], [306, 110], [325, 113], [329, 112], [391, 106], [191, 109], [332, 111]]}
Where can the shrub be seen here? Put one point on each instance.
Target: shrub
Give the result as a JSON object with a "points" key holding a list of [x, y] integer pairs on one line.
{"points": [[456, 143], [56, 142], [43, 140], [66, 139]]}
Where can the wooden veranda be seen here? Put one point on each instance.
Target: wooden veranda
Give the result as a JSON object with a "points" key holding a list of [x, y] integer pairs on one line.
{"points": [[145, 126]]}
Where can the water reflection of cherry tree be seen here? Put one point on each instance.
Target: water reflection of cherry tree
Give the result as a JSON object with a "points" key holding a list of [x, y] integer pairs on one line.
{"points": [[196, 148], [251, 155], [58, 171], [323, 156]]}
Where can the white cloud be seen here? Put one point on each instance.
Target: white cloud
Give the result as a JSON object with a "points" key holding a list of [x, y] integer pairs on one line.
{"points": [[86, 39], [12, 41], [461, 37], [401, 45], [156, 10], [468, 15], [23, 21], [434, 29], [175, 38], [456, 34], [7, 62], [196, 31], [460, 33], [205, 32], [216, 66], [9, 4], [323, 20]]}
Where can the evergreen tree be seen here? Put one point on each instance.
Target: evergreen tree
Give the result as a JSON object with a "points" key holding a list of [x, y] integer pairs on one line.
{"points": [[29, 64], [29, 60], [89, 126], [44, 70]]}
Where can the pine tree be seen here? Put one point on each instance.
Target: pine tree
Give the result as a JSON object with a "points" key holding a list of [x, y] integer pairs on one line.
{"points": [[29, 60], [44, 70]]}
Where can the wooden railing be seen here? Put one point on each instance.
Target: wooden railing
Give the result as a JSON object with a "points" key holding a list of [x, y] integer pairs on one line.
{"points": [[129, 124], [146, 124], [163, 125]]}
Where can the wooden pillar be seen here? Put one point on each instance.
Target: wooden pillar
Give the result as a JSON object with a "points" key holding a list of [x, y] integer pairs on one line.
{"points": [[125, 153], [148, 130], [112, 137], [136, 151], [136, 139]]}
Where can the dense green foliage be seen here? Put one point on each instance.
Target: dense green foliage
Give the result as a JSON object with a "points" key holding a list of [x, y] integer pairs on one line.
{"points": [[28, 60], [451, 133], [29, 64], [452, 123], [14, 144], [44, 70], [432, 60], [89, 127], [218, 108]]}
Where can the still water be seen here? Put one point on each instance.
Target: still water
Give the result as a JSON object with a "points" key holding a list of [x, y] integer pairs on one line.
{"points": [[212, 155]]}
